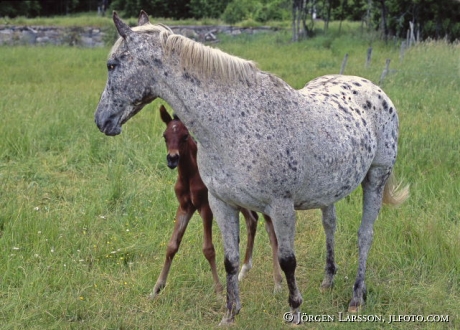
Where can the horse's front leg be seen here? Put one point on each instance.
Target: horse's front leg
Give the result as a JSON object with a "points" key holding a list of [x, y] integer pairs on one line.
{"points": [[284, 218], [183, 216], [228, 220], [208, 247]]}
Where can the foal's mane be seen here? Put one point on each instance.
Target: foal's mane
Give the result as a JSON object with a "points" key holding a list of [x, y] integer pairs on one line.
{"points": [[205, 61]]}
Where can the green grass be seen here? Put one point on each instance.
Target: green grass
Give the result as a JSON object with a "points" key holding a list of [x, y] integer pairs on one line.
{"points": [[85, 219]]}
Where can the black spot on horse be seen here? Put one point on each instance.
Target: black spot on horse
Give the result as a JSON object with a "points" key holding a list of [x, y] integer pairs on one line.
{"points": [[230, 267], [157, 62], [343, 109], [385, 105]]}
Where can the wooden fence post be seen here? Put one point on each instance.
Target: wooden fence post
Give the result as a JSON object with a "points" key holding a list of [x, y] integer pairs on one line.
{"points": [[385, 72], [368, 57], [344, 64], [402, 50]]}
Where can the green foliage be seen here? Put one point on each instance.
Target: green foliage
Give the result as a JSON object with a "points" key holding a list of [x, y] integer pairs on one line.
{"points": [[19, 8], [207, 8], [259, 11], [85, 218]]}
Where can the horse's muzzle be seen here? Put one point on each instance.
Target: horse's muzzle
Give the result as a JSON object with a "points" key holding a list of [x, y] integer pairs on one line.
{"points": [[108, 126], [173, 161]]}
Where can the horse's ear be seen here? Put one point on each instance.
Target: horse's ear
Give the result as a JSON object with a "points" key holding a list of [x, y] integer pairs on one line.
{"points": [[165, 116], [123, 29], [143, 18]]}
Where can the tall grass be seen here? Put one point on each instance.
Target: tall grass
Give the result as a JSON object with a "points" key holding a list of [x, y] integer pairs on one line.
{"points": [[85, 218]]}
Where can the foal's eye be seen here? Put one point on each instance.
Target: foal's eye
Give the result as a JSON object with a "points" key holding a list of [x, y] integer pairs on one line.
{"points": [[185, 138]]}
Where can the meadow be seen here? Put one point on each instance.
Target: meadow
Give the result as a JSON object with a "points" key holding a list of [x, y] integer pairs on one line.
{"points": [[85, 218]]}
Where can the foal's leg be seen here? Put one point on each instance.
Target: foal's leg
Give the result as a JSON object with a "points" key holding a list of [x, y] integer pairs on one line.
{"points": [[251, 227], [227, 218], [284, 218], [329, 221], [182, 218], [274, 244], [208, 248], [373, 186]]}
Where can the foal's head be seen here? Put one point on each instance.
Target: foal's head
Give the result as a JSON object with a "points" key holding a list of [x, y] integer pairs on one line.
{"points": [[176, 137]]}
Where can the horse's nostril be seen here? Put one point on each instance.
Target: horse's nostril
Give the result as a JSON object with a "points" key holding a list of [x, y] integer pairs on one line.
{"points": [[173, 161]]}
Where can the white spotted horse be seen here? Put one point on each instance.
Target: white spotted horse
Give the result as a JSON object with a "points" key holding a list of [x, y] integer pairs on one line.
{"points": [[262, 145], [192, 195]]}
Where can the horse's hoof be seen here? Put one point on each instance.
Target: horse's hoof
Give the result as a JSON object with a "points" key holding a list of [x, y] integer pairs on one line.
{"points": [[326, 286], [355, 305], [278, 288], [153, 295], [156, 291], [226, 322], [219, 289]]}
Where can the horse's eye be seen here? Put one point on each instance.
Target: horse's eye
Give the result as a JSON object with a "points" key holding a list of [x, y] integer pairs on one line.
{"points": [[185, 138], [110, 66]]}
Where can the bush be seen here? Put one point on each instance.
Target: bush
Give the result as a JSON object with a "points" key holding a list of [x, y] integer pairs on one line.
{"points": [[260, 11]]}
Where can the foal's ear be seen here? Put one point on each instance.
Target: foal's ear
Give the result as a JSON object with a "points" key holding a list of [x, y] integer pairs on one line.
{"points": [[143, 18], [123, 29], [165, 116]]}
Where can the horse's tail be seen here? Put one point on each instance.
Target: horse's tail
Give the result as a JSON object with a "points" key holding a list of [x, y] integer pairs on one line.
{"points": [[393, 193]]}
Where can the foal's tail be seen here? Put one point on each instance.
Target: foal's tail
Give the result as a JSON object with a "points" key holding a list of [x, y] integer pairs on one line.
{"points": [[393, 193]]}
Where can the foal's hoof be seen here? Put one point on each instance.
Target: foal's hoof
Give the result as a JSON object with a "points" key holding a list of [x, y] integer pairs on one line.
{"points": [[219, 289], [277, 288], [156, 290]]}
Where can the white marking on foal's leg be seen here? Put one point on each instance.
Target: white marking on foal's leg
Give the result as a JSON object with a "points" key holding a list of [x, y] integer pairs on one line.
{"points": [[244, 270]]}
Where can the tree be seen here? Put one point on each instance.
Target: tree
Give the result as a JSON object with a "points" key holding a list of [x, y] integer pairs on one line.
{"points": [[19, 8], [207, 8], [301, 9]]}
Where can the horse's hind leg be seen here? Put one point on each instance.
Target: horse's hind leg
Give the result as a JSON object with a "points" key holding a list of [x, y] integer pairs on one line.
{"points": [[274, 244], [329, 225], [373, 186], [182, 219], [208, 248], [251, 227]]}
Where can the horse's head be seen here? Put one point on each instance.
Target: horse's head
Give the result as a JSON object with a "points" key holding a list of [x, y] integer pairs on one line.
{"points": [[176, 137], [131, 81]]}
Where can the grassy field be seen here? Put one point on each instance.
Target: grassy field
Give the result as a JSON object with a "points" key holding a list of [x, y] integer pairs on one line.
{"points": [[85, 218]]}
